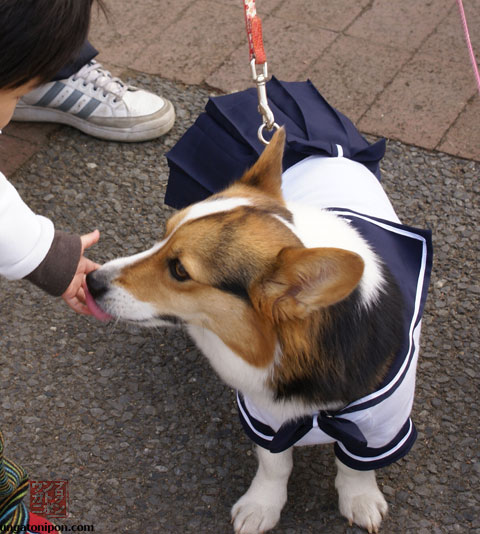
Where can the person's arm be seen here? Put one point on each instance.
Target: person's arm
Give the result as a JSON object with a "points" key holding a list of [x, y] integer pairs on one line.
{"points": [[64, 268], [58, 268], [25, 238], [30, 248]]}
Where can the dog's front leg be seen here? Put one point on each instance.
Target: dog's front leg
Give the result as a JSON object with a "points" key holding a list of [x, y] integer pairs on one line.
{"points": [[359, 498], [259, 509]]}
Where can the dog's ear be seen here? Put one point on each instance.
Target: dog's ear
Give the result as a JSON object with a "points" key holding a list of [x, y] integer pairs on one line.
{"points": [[266, 173], [304, 280]]}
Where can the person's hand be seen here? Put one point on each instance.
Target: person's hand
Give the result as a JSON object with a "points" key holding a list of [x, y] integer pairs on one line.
{"points": [[74, 296]]}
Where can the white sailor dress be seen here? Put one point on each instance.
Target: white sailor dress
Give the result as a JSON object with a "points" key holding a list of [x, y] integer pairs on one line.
{"points": [[375, 430]]}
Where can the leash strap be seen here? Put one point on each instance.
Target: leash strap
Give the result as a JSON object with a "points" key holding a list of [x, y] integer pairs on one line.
{"points": [[469, 43], [254, 33]]}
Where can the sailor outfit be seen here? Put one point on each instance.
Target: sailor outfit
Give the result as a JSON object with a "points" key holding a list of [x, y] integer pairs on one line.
{"points": [[375, 430]]}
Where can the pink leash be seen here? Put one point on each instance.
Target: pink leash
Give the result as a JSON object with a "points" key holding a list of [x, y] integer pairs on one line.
{"points": [[469, 44]]}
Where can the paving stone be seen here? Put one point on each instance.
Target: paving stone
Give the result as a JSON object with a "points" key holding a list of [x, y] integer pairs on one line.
{"points": [[402, 25], [14, 152], [430, 97], [288, 57], [263, 7], [448, 39], [463, 137], [19, 141], [36, 133], [334, 15], [196, 44], [123, 36], [352, 81]]}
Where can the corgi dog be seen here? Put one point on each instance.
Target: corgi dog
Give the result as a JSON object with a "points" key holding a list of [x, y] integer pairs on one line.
{"points": [[279, 282]]}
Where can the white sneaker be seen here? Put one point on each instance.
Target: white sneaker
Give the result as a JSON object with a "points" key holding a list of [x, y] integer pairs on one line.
{"points": [[98, 104]]}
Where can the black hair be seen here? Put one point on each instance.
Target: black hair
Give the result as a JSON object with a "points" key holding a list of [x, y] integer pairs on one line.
{"points": [[40, 37]]}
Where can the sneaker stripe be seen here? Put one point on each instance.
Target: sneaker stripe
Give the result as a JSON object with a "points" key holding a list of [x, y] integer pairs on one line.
{"points": [[70, 101], [50, 94], [88, 109]]}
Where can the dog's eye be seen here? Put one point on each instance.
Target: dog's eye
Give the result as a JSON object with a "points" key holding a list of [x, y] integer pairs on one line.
{"points": [[178, 271]]}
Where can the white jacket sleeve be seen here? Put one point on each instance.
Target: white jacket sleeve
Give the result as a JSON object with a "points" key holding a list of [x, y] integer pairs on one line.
{"points": [[25, 238]]}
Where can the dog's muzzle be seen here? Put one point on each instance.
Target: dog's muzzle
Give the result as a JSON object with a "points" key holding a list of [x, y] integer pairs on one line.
{"points": [[97, 286], [97, 283]]}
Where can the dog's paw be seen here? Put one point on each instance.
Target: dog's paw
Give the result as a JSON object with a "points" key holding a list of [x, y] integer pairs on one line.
{"points": [[250, 516], [366, 509], [359, 498]]}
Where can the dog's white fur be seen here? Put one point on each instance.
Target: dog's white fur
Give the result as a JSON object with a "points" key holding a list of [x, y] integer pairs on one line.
{"points": [[320, 228]]}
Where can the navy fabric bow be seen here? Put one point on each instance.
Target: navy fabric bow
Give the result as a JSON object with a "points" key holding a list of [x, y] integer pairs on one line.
{"points": [[223, 143], [338, 428]]}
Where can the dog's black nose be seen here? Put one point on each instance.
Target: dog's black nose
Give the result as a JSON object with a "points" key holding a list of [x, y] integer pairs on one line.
{"points": [[96, 284]]}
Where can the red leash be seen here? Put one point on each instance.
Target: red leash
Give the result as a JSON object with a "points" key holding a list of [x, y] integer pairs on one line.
{"points": [[254, 33], [258, 57], [469, 43]]}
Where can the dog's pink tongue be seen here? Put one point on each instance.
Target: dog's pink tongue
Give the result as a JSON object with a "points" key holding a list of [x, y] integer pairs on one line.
{"points": [[94, 309]]}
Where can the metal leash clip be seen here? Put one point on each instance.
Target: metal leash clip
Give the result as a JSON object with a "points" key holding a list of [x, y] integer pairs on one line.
{"points": [[258, 57], [260, 79]]}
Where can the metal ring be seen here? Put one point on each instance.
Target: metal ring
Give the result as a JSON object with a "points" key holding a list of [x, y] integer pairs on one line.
{"points": [[260, 132]]}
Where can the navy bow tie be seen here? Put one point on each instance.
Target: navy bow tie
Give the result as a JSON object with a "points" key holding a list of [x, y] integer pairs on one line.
{"points": [[338, 428]]}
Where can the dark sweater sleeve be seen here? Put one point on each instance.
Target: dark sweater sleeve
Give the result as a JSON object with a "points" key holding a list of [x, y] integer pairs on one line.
{"points": [[58, 268]]}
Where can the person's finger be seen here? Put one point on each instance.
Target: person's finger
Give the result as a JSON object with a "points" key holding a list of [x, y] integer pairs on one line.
{"points": [[90, 266], [89, 239], [77, 306], [81, 295]]}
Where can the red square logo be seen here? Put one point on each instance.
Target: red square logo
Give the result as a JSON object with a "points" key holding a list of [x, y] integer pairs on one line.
{"points": [[49, 498]]}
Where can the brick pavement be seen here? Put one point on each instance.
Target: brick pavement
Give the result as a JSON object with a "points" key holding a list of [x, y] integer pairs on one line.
{"points": [[397, 69]]}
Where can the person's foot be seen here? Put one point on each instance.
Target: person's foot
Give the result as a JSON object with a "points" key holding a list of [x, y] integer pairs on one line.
{"points": [[100, 105]]}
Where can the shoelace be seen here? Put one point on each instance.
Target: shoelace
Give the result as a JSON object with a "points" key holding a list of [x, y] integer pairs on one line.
{"points": [[101, 79]]}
